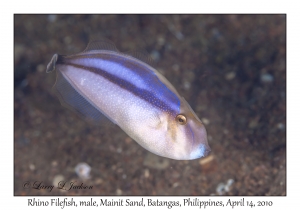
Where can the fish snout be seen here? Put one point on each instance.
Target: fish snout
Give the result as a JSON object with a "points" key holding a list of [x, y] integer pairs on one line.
{"points": [[200, 145]]}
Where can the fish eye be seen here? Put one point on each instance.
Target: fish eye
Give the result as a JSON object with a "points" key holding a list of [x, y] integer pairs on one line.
{"points": [[181, 119]]}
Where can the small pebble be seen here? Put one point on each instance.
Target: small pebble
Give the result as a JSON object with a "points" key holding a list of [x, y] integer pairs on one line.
{"points": [[119, 192], [155, 55], [179, 35], [205, 121], [52, 18], [54, 163], [206, 160], [222, 188], [176, 184], [161, 40], [186, 85], [267, 78], [41, 68], [57, 178], [230, 75], [147, 173], [68, 39], [280, 126], [228, 185], [83, 170], [208, 164], [225, 131], [31, 167], [253, 123], [24, 83], [19, 52], [98, 181], [119, 150]]}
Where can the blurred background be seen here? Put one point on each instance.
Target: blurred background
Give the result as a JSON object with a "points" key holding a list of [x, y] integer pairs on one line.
{"points": [[230, 68]]}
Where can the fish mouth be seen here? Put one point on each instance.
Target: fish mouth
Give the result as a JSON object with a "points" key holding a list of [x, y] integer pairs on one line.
{"points": [[200, 144], [207, 151], [201, 151]]}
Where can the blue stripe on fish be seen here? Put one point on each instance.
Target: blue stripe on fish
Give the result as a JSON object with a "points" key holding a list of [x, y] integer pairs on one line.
{"points": [[129, 69], [113, 65], [153, 90]]}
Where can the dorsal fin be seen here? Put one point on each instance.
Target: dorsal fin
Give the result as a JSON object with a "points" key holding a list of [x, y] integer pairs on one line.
{"points": [[142, 56], [104, 44], [100, 45]]}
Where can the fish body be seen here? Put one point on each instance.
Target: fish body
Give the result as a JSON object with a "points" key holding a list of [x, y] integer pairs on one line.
{"points": [[101, 81]]}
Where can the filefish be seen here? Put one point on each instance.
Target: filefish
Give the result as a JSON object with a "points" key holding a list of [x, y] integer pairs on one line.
{"points": [[102, 82]]}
